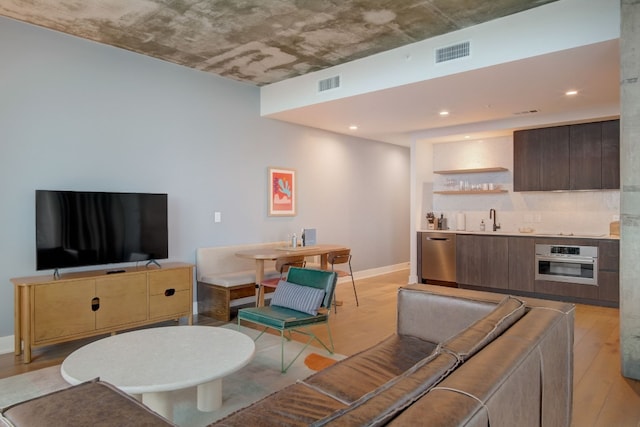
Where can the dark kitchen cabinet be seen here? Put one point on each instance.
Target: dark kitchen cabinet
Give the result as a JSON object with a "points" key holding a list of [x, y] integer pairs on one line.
{"points": [[481, 260], [611, 154], [522, 252], [609, 270], [468, 259], [576, 157], [541, 159], [507, 263], [585, 159]]}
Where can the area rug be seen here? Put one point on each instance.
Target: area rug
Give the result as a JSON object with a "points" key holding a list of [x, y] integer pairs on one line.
{"points": [[258, 379]]}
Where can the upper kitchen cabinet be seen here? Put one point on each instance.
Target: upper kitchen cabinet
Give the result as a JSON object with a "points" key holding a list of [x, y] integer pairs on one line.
{"points": [[541, 159], [585, 160], [611, 154], [576, 157]]}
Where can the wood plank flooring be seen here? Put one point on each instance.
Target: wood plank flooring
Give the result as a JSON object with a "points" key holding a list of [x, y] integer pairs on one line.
{"points": [[602, 397]]}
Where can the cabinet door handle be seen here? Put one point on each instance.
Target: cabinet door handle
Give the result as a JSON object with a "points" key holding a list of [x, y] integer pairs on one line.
{"points": [[95, 304], [169, 292]]}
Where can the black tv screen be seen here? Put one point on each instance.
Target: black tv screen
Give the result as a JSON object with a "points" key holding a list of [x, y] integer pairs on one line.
{"points": [[81, 228]]}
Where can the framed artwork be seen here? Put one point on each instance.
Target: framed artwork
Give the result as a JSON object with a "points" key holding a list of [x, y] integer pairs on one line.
{"points": [[282, 192]]}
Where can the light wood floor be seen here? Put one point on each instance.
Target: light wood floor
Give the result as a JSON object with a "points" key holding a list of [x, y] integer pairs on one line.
{"points": [[602, 397]]}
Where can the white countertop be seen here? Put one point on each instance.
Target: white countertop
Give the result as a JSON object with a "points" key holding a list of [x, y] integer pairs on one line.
{"points": [[534, 233]]}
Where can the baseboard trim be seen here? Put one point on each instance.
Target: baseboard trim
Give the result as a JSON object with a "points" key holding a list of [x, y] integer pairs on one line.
{"points": [[7, 343]]}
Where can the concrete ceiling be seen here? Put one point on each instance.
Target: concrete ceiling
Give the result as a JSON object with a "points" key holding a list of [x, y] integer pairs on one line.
{"points": [[268, 41], [259, 41]]}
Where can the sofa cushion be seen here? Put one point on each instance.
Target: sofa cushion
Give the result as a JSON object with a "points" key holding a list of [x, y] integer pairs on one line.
{"points": [[306, 299], [352, 378], [90, 403], [381, 405], [482, 332], [294, 405]]}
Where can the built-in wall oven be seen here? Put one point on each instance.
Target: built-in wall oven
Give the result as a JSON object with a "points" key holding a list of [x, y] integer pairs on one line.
{"points": [[565, 263]]}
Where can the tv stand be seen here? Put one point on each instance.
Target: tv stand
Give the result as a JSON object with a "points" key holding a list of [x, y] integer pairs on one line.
{"points": [[89, 303], [153, 261]]}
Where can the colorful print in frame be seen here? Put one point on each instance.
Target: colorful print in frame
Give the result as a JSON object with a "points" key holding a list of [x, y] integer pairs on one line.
{"points": [[282, 192]]}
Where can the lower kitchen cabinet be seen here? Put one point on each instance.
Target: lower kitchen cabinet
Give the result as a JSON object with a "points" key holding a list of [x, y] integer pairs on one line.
{"points": [[468, 264], [522, 252], [482, 261], [569, 290], [609, 270], [507, 264]]}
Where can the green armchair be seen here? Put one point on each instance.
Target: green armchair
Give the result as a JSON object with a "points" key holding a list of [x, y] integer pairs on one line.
{"points": [[303, 300]]}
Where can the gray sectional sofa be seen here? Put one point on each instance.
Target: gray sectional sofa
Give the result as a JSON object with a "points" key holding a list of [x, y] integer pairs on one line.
{"points": [[459, 358]]}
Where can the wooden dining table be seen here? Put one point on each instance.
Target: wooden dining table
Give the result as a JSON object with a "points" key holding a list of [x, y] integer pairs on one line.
{"points": [[271, 254]]}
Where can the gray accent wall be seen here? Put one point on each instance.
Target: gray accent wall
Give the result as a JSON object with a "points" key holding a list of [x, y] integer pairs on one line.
{"points": [[78, 115]]}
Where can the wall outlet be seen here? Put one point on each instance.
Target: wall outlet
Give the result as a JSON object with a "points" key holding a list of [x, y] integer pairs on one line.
{"points": [[537, 218], [217, 217]]}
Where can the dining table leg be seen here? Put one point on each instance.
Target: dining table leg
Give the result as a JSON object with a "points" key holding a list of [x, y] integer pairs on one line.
{"points": [[259, 279], [323, 261]]}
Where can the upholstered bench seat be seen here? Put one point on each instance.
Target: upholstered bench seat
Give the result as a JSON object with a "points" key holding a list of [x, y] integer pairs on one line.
{"points": [[237, 278], [223, 277]]}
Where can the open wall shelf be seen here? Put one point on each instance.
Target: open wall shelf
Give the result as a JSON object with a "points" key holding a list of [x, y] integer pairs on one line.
{"points": [[478, 170], [470, 191]]}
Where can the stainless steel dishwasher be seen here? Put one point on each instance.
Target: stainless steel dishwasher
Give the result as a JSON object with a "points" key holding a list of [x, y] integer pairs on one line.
{"points": [[437, 258]]}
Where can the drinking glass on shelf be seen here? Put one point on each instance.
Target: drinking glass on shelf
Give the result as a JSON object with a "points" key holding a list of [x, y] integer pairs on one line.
{"points": [[450, 184]]}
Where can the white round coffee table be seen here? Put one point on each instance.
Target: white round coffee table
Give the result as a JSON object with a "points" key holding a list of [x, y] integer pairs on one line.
{"points": [[150, 363]]}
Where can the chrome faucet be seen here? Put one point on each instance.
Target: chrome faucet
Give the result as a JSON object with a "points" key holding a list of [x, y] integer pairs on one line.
{"points": [[492, 214]]}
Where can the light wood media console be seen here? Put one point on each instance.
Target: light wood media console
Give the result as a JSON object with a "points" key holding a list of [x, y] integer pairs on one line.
{"points": [[84, 304]]}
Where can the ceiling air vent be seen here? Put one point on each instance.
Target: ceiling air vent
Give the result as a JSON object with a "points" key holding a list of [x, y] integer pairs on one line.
{"points": [[452, 52], [328, 84]]}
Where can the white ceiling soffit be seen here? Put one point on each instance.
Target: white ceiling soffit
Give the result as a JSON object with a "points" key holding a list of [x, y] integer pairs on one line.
{"points": [[518, 63]]}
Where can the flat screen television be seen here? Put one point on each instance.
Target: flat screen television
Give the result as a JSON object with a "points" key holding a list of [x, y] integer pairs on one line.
{"points": [[82, 228]]}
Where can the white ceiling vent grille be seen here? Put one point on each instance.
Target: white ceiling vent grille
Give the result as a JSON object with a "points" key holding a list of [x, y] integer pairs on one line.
{"points": [[328, 84], [452, 52]]}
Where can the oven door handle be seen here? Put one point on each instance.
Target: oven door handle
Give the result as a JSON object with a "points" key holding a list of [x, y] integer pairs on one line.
{"points": [[572, 260]]}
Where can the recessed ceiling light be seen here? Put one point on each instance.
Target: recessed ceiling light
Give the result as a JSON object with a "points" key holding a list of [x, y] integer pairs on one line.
{"points": [[353, 127], [467, 137], [444, 113], [571, 92]]}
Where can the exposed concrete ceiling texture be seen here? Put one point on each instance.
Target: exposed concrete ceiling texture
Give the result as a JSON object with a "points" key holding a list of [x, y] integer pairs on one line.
{"points": [[262, 41]]}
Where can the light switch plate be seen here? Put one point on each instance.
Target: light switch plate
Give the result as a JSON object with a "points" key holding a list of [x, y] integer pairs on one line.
{"points": [[217, 217]]}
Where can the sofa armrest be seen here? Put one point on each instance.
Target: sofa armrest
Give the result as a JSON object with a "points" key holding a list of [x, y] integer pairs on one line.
{"points": [[435, 315], [90, 403]]}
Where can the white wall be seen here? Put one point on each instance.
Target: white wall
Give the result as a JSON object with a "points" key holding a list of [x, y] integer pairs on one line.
{"points": [[78, 115], [545, 211]]}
